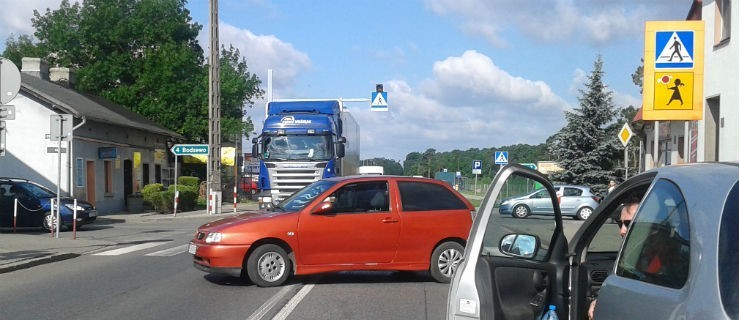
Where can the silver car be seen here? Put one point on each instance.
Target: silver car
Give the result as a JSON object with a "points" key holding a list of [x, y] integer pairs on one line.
{"points": [[678, 259], [574, 200]]}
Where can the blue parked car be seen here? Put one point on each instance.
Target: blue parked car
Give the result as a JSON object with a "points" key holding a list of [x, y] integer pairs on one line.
{"points": [[34, 206]]}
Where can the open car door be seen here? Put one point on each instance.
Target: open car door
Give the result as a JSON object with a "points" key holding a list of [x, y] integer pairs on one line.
{"points": [[513, 268]]}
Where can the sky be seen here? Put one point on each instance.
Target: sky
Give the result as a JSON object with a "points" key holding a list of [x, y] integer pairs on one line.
{"points": [[459, 74]]}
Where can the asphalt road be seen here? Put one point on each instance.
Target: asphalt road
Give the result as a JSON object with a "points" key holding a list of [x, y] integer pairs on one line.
{"points": [[148, 275]]}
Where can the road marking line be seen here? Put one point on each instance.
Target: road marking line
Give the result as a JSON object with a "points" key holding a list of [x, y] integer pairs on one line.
{"points": [[120, 251], [290, 306], [169, 252], [269, 304]]}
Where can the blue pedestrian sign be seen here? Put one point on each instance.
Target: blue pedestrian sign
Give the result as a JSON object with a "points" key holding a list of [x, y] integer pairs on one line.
{"points": [[674, 49], [190, 149], [501, 157], [379, 101], [476, 167]]}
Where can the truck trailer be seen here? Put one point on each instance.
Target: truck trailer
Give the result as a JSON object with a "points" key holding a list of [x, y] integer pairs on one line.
{"points": [[303, 141]]}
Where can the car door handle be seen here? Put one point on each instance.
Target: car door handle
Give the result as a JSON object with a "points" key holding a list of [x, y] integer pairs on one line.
{"points": [[389, 220]]}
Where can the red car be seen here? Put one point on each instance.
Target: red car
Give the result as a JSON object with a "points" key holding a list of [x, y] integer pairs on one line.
{"points": [[340, 224], [248, 185]]}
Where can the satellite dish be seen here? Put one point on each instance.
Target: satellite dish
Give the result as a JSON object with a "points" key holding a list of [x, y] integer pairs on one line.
{"points": [[10, 81]]}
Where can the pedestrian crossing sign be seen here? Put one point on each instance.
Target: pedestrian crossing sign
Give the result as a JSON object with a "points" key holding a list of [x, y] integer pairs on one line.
{"points": [[674, 49], [379, 101], [501, 157], [673, 70]]}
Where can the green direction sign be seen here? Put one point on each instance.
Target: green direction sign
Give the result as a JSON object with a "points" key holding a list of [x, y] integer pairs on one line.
{"points": [[190, 149]]}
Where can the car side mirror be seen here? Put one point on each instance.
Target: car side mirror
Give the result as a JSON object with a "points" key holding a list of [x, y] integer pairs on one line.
{"points": [[326, 207], [520, 245]]}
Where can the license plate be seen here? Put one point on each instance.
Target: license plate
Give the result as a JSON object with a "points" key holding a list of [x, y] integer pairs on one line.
{"points": [[92, 214], [192, 248]]}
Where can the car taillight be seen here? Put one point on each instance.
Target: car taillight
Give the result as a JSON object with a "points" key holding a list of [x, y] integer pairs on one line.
{"points": [[596, 198]]}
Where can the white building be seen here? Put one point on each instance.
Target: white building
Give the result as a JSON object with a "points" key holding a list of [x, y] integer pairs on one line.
{"points": [[716, 136], [112, 152]]}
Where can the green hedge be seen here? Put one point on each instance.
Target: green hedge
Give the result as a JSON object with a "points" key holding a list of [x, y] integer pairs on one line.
{"points": [[163, 200], [188, 181]]}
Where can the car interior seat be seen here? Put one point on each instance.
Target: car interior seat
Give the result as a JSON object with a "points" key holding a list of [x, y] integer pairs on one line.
{"points": [[379, 202]]}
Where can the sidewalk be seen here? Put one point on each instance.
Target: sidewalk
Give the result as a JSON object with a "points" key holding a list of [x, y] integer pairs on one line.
{"points": [[25, 250]]}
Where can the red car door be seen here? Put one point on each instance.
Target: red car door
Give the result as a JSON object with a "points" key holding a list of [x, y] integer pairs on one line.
{"points": [[360, 228]]}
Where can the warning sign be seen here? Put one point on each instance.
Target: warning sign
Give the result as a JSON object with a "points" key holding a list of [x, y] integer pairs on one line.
{"points": [[673, 70], [673, 91]]}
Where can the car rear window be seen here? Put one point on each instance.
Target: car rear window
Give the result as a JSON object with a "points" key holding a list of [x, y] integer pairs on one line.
{"points": [[424, 196], [728, 259]]}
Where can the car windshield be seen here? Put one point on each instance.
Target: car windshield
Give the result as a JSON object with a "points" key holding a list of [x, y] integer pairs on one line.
{"points": [[302, 197], [298, 147], [38, 191]]}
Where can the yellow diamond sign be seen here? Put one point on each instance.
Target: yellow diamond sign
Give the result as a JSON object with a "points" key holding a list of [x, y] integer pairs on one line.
{"points": [[625, 134]]}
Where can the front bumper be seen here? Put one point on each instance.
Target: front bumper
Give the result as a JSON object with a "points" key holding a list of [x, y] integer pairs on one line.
{"points": [[217, 258]]}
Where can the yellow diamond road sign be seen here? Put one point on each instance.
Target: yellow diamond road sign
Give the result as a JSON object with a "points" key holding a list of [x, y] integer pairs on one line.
{"points": [[625, 134]]}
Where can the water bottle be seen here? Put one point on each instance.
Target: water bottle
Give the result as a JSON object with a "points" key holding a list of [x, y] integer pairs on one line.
{"points": [[551, 314]]}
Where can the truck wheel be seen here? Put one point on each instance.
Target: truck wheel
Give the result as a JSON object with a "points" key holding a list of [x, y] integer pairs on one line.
{"points": [[521, 211], [444, 261], [268, 266]]}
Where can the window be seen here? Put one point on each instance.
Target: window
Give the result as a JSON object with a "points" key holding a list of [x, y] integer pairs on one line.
{"points": [[158, 173], [657, 248], [108, 176], [572, 192], [728, 260], [722, 27], [424, 196], [362, 197]]}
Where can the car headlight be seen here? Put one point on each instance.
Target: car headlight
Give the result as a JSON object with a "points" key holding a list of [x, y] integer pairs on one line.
{"points": [[70, 206], [214, 237]]}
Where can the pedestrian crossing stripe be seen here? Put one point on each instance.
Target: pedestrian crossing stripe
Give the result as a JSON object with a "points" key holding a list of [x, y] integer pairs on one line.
{"points": [[676, 49]]}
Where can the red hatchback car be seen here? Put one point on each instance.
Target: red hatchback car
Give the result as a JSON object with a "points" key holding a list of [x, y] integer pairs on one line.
{"points": [[342, 224]]}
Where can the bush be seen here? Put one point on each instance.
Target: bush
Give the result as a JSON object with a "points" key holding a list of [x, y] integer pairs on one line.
{"points": [[188, 181], [149, 192], [164, 201]]}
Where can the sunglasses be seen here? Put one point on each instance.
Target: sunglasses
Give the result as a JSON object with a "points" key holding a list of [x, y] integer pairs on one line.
{"points": [[623, 223]]}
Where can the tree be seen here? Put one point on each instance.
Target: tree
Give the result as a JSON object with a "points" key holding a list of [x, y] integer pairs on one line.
{"points": [[142, 54], [389, 166], [586, 146]]}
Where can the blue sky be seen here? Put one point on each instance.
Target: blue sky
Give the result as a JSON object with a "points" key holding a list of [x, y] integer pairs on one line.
{"points": [[459, 74]]}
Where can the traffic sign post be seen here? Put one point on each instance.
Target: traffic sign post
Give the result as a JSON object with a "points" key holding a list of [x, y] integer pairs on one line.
{"points": [[625, 135], [476, 169], [185, 150]]}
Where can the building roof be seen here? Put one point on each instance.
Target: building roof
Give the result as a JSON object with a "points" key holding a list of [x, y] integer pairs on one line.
{"points": [[91, 107]]}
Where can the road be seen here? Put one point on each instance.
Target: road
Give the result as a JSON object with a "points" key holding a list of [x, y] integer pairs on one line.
{"points": [[148, 275]]}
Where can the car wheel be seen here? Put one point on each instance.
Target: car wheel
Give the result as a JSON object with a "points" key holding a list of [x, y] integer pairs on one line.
{"points": [[521, 211], [444, 261], [49, 222], [268, 266], [584, 213]]}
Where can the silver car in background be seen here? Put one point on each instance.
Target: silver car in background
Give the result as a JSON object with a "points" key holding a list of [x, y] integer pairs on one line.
{"points": [[574, 200], [677, 260]]}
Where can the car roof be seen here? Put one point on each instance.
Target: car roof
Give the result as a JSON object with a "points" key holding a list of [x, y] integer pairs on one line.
{"points": [[381, 177]]}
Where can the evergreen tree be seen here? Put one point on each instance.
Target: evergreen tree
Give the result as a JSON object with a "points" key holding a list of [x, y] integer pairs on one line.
{"points": [[588, 145]]}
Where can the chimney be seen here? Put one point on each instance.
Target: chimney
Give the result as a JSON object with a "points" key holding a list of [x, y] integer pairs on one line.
{"points": [[62, 76], [35, 67]]}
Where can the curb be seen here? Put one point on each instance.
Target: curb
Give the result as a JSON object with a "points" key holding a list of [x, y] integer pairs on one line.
{"points": [[38, 261]]}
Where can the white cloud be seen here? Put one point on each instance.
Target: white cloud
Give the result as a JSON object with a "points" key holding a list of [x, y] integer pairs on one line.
{"points": [[17, 17], [262, 52], [468, 103], [594, 21]]}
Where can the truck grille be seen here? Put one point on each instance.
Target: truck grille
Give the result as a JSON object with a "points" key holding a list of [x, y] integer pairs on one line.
{"points": [[288, 178]]}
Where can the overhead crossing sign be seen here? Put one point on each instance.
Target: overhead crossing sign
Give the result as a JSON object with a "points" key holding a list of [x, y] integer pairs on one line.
{"points": [[379, 101]]}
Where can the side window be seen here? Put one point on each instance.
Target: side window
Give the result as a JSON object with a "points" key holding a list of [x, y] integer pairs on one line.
{"points": [[424, 196], [502, 222], [657, 248], [728, 260], [572, 192], [362, 197]]}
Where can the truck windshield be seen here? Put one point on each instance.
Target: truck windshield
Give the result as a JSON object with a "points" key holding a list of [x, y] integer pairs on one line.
{"points": [[298, 147]]}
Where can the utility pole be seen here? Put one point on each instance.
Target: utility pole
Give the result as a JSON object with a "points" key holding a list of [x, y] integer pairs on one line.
{"points": [[214, 114]]}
